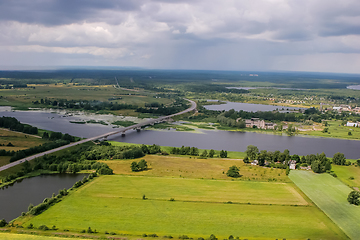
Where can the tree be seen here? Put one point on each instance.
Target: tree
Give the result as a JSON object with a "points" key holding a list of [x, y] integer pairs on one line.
{"points": [[252, 152], [3, 223], [246, 159], [233, 172], [339, 159], [45, 135], [353, 198], [211, 153], [142, 165], [134, 167], [223, 154], [204, 154]]}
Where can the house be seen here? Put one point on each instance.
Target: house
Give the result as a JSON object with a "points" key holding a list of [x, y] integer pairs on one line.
{"points": [[352, 124], [255, 162], [292, 164], [261, 124]]}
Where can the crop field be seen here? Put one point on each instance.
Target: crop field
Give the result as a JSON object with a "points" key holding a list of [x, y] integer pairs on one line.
{"points": [[118, 205], [186, 167], [350, 175], [330, 195], [13, 236]]}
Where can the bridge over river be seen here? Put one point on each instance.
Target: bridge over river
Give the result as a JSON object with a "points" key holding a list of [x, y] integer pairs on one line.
{"points": [[137, 126]]}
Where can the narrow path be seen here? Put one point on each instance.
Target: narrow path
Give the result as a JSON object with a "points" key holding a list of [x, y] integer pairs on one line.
{"points": [[120, 130]]}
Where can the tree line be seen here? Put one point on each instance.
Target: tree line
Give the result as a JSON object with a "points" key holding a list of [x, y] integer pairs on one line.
{"points": [[14, 125]]}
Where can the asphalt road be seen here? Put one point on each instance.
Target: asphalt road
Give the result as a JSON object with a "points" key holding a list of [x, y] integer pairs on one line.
{"points": [[120, 130]]}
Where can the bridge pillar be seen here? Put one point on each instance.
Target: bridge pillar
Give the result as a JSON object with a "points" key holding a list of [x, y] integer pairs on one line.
{"points": [[123, 134], [138, 129]]}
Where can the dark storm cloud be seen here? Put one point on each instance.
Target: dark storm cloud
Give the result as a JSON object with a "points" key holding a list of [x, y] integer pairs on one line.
{"points": [[59, 12]]}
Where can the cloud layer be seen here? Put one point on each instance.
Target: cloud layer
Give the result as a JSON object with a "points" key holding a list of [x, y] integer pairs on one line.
{"points": [[191, 34]]}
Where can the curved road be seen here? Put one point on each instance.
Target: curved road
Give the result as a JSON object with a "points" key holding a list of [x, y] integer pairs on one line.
{"points": [[120, 130]]}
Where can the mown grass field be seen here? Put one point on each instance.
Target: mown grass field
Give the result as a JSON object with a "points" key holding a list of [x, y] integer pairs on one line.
{"points": [[350, 175], [102, 206], [330, 195], [186, 167]]}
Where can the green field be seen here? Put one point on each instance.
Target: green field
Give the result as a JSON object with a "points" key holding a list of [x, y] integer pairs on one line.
{"points": [[350, 175], [330, 195], [114, 203]]}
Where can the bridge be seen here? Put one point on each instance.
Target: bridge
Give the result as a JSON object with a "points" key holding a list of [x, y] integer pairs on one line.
{"points": [[137, 126]]}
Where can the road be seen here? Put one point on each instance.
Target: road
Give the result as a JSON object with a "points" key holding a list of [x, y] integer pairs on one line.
{"points": [[120, 130]]}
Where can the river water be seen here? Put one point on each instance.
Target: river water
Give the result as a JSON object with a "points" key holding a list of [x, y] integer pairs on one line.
{"points": [[16, 198], [248, 107], [226, 140]]}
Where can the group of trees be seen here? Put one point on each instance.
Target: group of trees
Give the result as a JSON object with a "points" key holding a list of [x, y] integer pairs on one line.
{"points": [[319, 162], [58, 135], [192, 151], [139, 166], [178, 106], [14, 125]]}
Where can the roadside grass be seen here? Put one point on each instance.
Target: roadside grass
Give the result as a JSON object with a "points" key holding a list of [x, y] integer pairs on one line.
{"points": [[185, 167], [4, 160], [336, 130], [330, 195], [116, 212], [350, 175]]}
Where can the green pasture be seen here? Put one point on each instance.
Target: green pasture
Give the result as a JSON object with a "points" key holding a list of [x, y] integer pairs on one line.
{"points": [[194, 190], [104, 208], [350, 175], [330, 195]]}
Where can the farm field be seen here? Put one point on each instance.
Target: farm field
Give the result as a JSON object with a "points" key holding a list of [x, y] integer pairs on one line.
{"points": [[330, 195], [23, 98], [350, 175], [123, 214], [186, 167]]}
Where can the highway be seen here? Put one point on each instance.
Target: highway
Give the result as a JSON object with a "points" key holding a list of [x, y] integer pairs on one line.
{"points": [[120, 130]]}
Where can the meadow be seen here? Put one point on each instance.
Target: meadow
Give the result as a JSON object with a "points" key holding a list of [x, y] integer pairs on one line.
{"points": [[19, 141], [330, 195], [350, 175], [121, 213], [192, 167]]}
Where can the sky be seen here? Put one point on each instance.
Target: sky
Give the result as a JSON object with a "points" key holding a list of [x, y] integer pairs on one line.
{"points": [[243, 35]]}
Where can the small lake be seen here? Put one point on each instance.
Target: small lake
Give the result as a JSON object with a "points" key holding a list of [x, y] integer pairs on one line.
{"points": [[16, 198], [249, 107]]}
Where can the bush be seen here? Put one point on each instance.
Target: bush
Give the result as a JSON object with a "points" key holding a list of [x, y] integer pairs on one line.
{"points": [[3, 223], [353, 198], [233, 172], [43, 227]]}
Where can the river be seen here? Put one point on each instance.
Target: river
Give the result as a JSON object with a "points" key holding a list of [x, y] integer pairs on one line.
{"points": [[226, 140]]}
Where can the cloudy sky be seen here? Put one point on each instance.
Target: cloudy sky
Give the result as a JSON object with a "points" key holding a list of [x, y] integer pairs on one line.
{"points": [[292, 35]]}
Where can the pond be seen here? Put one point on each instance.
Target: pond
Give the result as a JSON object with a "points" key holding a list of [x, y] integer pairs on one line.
{"points": [[16, 198], [249, 107]]}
